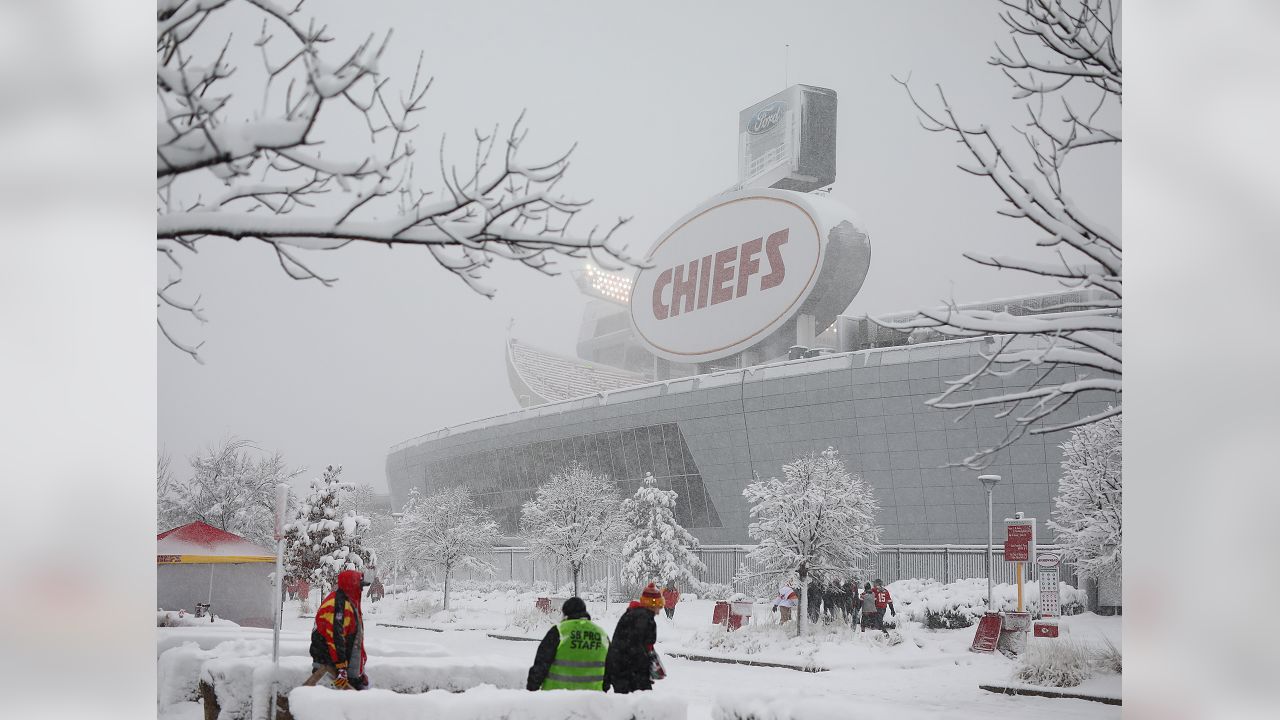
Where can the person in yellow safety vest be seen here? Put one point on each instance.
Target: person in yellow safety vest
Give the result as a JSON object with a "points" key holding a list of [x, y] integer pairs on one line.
{"points": [[571, 656]]}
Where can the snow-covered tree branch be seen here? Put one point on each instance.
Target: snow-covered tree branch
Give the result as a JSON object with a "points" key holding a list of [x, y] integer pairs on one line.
{"points": [[279, 165], [657, 549], [446, 530], [575, 516], [1088, 512], [816, 523], [1064, 62]]}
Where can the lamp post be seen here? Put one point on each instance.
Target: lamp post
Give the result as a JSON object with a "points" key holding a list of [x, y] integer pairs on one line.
{"points": [[989, 482]]}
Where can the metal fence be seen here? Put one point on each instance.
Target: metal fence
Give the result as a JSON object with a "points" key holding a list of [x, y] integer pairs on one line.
{"points": [[893, 562]]}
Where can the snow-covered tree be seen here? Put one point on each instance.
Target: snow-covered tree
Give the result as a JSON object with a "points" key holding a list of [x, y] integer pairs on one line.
{"points": [[169, 511], [241, 153], [447, 531], [657, 549], [1064, 62], [816, 523], [1087, 512], [323, 540], [575, 516], [230, 488]]}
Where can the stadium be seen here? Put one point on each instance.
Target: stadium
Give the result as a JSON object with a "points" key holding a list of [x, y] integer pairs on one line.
{"points": [[728, 356]]}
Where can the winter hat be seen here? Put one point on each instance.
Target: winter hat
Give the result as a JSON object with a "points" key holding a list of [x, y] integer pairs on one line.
{"points": [[651, 598], [574, 607]]}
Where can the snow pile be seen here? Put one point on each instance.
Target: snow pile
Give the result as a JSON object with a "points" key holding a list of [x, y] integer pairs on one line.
{"points": [[242, 684], [175, 618], [960, 603], [178, 672], [483, 703], [772, 707]]}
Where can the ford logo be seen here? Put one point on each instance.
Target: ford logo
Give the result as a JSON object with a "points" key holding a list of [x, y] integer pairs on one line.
{"points": [[767, 119]]}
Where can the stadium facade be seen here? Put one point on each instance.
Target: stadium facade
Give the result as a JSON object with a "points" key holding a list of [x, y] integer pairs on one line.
{"points": [[725, 358], [707, 436]]}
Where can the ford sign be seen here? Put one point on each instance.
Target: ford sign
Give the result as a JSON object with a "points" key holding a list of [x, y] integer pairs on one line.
{"points": [[767, 118], [734, 271]]}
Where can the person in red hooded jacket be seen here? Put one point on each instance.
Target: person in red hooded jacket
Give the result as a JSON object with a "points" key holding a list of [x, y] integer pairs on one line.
{"points": [[337, 638]]}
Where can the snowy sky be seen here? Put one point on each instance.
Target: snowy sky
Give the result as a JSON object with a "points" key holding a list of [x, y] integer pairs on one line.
{"points": [[651, 94]]}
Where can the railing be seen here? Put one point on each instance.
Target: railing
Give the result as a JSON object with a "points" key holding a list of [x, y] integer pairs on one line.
{"points": [[894, 562]]}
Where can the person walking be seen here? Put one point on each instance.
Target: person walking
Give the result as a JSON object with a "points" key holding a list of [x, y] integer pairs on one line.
{"points": [[571, 654], [783, 603], [870, 617], [670, 596], [337, 637], [883, 600], [630, 663]]}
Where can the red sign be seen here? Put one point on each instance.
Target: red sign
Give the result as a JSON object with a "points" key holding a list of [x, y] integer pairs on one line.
{"points": [[1017, 551], [1046, 630], [988, 634], [1019, 534]]}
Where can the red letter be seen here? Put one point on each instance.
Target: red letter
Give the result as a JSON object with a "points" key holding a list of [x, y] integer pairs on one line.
{"points": [[659, 308], [704, 281], [683, 288], [777, 269], [723, 274], [747, 265]]}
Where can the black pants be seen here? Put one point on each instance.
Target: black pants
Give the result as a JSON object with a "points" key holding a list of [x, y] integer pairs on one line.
{"points": [[671, 612]]}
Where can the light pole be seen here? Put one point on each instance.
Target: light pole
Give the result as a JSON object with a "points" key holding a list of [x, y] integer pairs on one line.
{"points": [[989, 482]]}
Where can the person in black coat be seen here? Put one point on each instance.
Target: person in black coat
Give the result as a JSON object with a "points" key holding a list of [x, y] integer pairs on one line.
{"points": [[627, 665]]}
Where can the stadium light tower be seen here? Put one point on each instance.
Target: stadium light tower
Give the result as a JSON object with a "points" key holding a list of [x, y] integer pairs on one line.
{"points": [[989, 482]]}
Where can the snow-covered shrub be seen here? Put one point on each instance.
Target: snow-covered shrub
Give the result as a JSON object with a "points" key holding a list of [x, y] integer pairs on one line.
{"points": [[961, 603], [420, 606], [529, 619], [948, 619], [715, 591], [483, 703], [1108, 659], [1061, 663]]}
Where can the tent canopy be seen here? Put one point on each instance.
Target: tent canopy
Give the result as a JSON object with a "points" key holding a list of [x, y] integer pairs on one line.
{"points": [[199, 542]]}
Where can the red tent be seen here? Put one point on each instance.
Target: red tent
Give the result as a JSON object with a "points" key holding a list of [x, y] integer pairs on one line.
{"points": [[198, 563]]}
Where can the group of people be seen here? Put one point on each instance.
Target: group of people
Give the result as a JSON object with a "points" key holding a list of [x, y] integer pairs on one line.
{"points": [[577, 654], [840, 601]]}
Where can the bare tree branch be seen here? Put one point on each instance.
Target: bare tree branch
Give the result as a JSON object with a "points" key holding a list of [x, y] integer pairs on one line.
{"points": [[282, 189], [1059, 52]]}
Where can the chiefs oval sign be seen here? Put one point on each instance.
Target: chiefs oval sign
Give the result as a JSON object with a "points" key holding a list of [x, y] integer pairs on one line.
{"points": [[732, 272]]}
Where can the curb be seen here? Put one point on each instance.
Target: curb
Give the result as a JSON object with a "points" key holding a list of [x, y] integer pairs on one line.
{"points": [[1045, 692], [754, 663], [409, 627], [513, 637]]}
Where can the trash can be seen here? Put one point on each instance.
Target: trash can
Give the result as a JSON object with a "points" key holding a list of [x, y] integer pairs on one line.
{"points": [[720, 613], [1013, 633], [739, 614]]}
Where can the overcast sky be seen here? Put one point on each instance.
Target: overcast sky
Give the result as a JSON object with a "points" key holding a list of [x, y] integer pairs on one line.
{"points": [[651, 94]]}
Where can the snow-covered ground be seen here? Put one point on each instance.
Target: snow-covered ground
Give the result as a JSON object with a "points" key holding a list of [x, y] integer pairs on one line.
{"points": [[929, 674]]}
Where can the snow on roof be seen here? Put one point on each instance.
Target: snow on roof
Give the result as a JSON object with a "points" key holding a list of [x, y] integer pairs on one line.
{"points": [[554, 378], [199, 538], [951, 347]]}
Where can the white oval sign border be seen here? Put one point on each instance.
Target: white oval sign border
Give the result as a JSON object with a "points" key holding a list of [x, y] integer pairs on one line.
{"points": [[765, 330]]}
